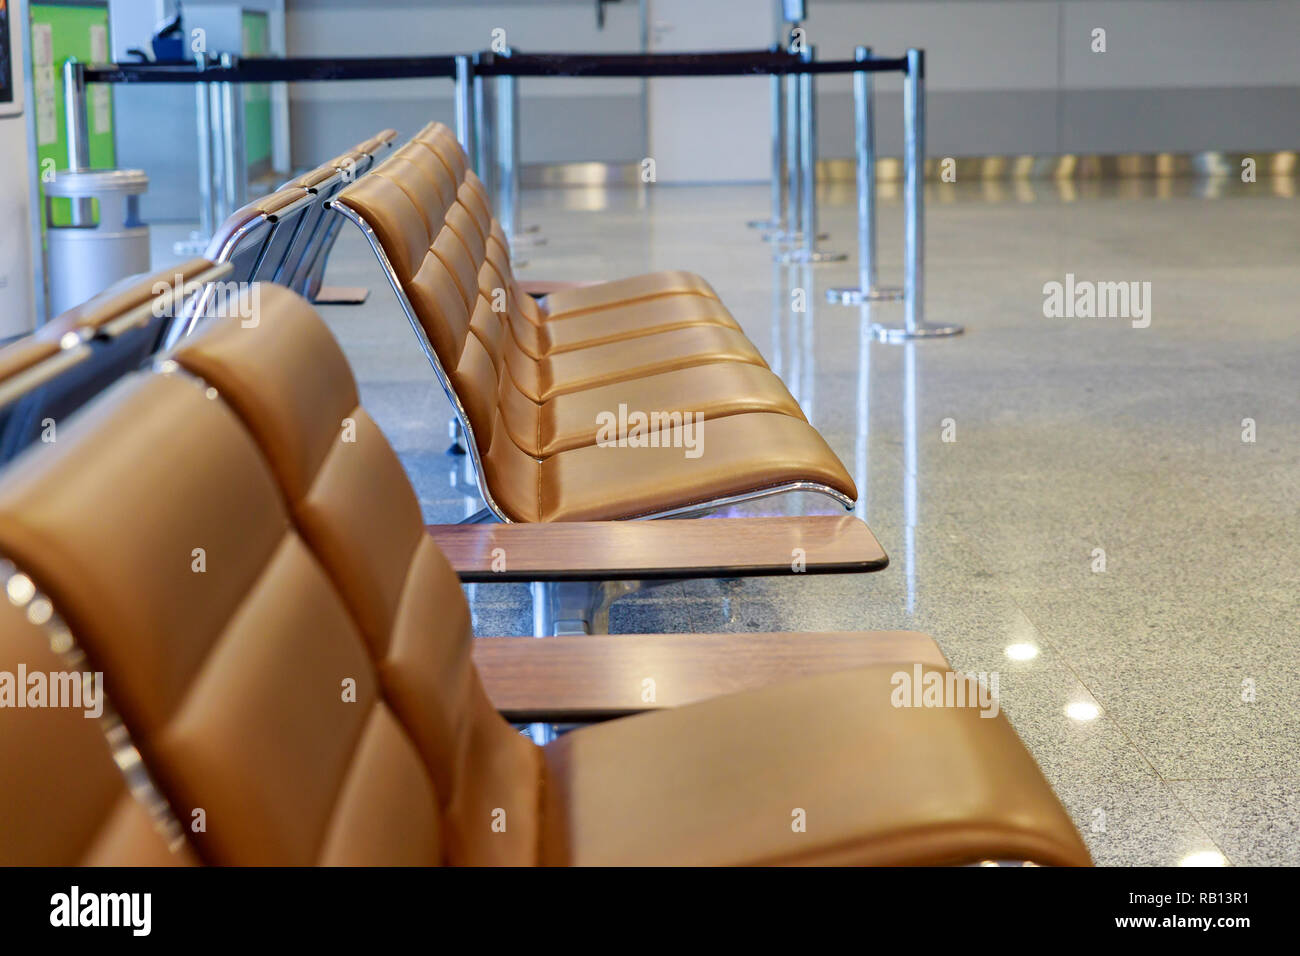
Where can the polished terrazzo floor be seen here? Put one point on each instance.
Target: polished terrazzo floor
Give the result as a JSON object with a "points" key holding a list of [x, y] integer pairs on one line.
{"points": [[1161, 695]]}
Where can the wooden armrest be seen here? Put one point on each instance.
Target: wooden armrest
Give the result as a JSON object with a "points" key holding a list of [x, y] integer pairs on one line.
{"points": [[538, 288], [669, 549], [599, 676]]}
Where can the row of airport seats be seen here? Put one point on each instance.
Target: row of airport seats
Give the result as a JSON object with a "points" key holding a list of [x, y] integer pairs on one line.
{"points": [[290, 676], [286, 236], [534, 382], [969, 790]]}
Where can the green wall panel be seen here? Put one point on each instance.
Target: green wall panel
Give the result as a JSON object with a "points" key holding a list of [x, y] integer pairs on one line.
{"points": [[59, 31], [257, 96]]}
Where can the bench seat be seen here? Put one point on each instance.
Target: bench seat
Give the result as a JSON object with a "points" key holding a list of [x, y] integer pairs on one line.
{"points": [[718, 783], [578, 419], [311, 685], [532, 383], [270, 366]]}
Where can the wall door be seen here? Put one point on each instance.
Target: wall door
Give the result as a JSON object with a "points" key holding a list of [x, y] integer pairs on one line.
{"points": [[710, 129]]}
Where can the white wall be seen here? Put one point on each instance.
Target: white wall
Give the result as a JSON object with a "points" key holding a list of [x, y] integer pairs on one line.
{"points": [[1004, 76], [562, 118], [1019, 76]]}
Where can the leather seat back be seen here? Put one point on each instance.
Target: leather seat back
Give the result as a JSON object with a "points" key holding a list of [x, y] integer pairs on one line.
{"points": [[64, 802], [444, 257], [47, 376], [350, 500], [234, 662]]}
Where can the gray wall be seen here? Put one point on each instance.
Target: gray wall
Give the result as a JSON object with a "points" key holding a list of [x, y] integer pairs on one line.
{"points": [[563, 119], [1019, 76], [1005, 76]]}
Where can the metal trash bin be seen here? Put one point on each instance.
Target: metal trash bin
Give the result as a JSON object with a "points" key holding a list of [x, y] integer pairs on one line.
{"points": [[88, 256]]}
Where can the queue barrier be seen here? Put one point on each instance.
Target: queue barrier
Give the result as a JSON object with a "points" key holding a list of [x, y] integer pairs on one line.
{"points": [[488, 135]]}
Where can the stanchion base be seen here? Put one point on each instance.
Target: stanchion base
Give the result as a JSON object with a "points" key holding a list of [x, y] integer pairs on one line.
{"points": [[816, 256], [893, 334], [534, 227], [522, 241], [791, 237], [851, 295]]}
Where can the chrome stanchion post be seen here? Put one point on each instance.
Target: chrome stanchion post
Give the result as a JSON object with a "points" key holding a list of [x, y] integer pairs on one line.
{"points": [[234, 166], [217, 133], [501, 155], [865, 130], [914, 324], [77, 128], [464, 105], [914, 190], [76, 124], [508, 105], [498, 151], [237, 161], [777, 220], [483, 155], [807, 165], [203, 121], [207, 219], [808, 251], [787, 229], [505, 152]]}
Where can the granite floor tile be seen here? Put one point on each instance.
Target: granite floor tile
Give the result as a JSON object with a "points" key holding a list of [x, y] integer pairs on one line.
{"points": [[1255, 821]]}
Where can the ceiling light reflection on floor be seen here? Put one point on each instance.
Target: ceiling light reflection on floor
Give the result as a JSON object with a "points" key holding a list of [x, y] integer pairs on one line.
{"points": [[1022, 652], [1204, 858], [1082, 710]]}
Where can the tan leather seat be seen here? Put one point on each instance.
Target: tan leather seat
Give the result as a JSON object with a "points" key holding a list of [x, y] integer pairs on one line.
{"points": [[64, 802], [120, 297], [245, 237], [578, 301], [377, 142], [299, 257], [403, 225], [306, 278], [25, 353], [48, 375], [575, 301], [436, 155], [314, 177], [877, 784], [290, 653], [287, 745], [533, 388], [739, 453]]}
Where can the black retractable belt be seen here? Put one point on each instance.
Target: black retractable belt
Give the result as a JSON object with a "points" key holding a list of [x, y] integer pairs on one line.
{"points": [[299, 69], [278, 69], [738, 63]]}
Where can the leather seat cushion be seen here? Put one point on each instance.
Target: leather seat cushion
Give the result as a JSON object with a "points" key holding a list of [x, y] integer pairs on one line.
{"points": [[632, 358], [719, 783], [628, 320], [740, 453], [573, 420], [631, 289]]}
